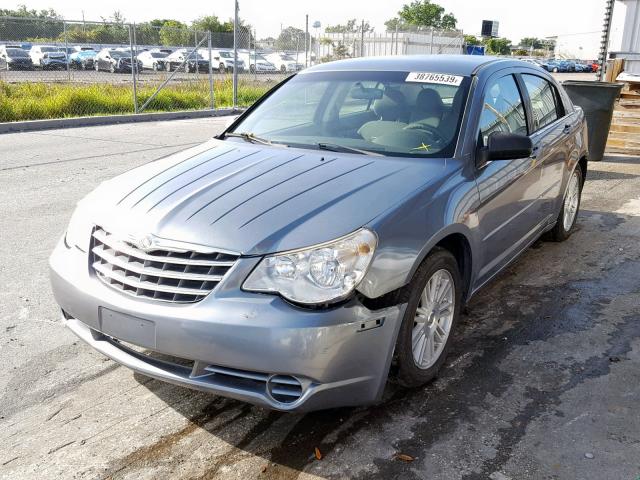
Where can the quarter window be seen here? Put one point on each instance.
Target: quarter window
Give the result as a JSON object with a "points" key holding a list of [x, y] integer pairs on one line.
{"points": [[543, 97], [502, 109]]}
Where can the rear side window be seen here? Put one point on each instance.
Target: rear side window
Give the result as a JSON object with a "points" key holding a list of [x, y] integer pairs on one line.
{"points": [[544, 101], [502, 109]]}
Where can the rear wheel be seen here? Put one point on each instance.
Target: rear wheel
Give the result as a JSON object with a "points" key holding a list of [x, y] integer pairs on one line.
{"points": [[570, 206], [433, 308]]}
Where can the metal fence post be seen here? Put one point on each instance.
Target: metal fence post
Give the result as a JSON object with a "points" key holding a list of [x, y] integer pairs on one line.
{"points": [[134, 67], [66, 49], [431, 44], [212, 104], [235, 57], [362, 39]]}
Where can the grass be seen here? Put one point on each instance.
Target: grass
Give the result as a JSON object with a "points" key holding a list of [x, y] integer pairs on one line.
{"points": [[36, 101]]}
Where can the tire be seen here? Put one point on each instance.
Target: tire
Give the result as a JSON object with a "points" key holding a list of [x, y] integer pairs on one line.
{"points": [[252, 69], [555, 70], [155, 66], [565, 225], [112, 68], [439, 266], [97, 67], [222, 69], [168, 66]]}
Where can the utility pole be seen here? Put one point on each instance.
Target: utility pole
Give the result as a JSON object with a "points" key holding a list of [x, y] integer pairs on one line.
{"points": [[606, 33], [306, 40], [362, 39], [235, 56]]}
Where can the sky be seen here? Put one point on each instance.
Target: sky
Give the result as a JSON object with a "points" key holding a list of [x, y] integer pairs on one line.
{"points": [[518, 18]]}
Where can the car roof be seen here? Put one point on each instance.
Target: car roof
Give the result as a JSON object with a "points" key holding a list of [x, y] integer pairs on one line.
{"points": [[451, 64]]}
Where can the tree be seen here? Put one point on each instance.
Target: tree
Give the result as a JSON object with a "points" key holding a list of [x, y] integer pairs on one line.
{"points": [[423, 14], [211, 23], [394, 24], [31, 24], [290, 38], [521, 52], [528, 42], [174, 33], [472, 40], [352, 26], [498, 46]]}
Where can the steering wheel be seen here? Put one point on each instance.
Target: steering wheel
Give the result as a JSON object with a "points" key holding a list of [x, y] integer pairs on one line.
{"points": [[433, 131]]}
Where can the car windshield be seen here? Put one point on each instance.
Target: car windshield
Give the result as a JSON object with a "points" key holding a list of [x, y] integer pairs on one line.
{"points": [[119, 54], [157, 54], [16, 52], [287, 58], [391, 113]]}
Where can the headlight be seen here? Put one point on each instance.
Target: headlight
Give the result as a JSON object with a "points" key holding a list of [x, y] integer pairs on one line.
{"points": [[319, 274], [79, 230]]}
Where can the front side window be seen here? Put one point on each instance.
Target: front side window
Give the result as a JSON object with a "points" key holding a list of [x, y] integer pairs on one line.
{"points": [[385, 112], [502, 109], [543, 100]]}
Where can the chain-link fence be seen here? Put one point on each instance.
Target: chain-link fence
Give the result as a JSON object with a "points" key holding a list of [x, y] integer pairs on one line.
{"points": [[52, 68]]}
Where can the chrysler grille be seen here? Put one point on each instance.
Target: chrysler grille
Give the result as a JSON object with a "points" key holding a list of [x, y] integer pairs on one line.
{"points": [[167, 275]]}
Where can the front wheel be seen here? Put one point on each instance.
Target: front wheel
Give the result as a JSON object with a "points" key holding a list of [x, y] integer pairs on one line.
{"points": [[566, 222], [433, 308]]}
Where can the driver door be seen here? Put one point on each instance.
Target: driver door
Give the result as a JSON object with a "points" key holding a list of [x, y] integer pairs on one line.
{"points": [[509, 212]]}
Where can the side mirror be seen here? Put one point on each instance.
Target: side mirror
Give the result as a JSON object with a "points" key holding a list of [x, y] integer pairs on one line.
{"points": [[505, 146]]}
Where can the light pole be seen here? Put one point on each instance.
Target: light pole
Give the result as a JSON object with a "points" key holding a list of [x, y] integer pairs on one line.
{"points": [[317, 26]]}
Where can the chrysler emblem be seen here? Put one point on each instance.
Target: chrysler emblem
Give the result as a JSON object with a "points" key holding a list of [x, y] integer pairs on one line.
{"points": [[143, 242]]}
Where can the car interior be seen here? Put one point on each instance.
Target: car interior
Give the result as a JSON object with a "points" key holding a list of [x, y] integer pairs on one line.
{"points": [[400, 117]]}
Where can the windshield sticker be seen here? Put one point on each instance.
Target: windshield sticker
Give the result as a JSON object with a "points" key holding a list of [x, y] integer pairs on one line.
{"points": [[439, 78]]}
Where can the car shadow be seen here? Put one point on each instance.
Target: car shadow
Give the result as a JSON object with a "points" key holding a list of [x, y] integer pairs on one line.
{"points": [[508, 314]]}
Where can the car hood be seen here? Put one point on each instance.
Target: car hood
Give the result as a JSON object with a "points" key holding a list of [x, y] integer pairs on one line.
{"points": [[255, 199]]}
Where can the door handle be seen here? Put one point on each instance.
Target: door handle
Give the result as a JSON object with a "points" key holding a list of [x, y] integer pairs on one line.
{"points": [[567, 129]]}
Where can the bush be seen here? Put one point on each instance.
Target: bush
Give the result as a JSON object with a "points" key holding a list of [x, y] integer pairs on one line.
{"points": [[35, 101]]}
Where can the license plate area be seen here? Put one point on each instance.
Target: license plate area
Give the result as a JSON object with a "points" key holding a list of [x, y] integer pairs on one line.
{"points": [[128, 328]]}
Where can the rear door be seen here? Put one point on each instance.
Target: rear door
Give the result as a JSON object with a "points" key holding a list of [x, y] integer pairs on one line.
{"points": [[509, 213], [552, 135]]}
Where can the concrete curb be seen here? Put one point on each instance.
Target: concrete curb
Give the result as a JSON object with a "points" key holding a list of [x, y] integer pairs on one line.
{"points": [[33, 125]]}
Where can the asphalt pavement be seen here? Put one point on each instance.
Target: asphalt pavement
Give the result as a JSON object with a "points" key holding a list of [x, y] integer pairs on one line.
{"points": [[543, 381]]}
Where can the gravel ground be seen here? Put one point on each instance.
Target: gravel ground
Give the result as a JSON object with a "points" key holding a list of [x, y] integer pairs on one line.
{"points": [[543, 382]]}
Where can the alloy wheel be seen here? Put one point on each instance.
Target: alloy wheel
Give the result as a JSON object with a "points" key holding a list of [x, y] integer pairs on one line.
{"points": [[433, 319], [571, 200]]}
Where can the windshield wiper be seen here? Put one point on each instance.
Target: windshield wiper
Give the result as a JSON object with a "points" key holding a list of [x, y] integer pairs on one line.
{"points": [[334, 147], [250, 137]]}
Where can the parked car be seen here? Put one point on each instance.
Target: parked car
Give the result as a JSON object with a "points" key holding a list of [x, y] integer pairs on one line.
{"points": [[256, 62], [335, 228], [552, 65], [153, 60], [80, 48], [194, 63], [12, 58], [284, 62], [83, 59], [48, 57], [114, 61], [224, 59]]}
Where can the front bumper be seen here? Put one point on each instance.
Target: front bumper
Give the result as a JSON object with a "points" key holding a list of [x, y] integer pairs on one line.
{"points": [[236, 342]]}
